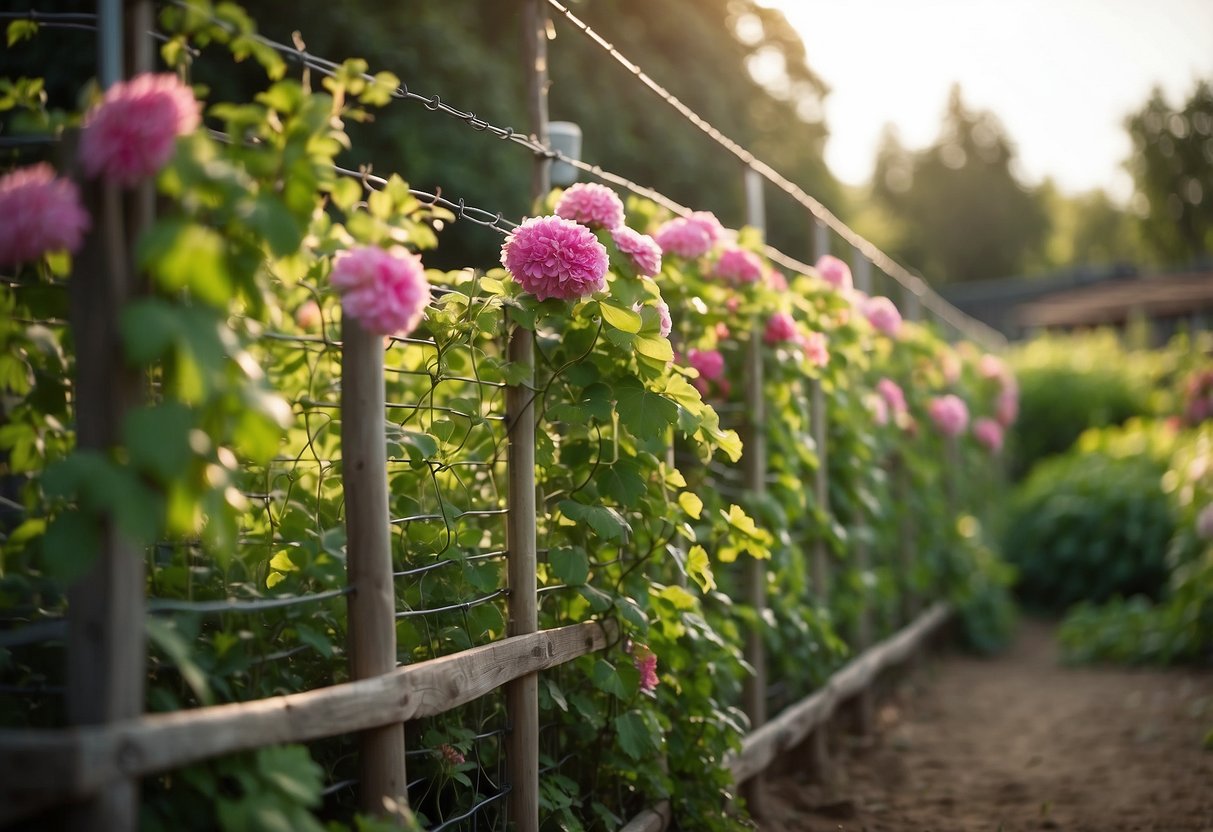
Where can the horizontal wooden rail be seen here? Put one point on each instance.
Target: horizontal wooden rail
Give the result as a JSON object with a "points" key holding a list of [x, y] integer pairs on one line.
{"points": [[654, 819], [72, 762], [760, 747]]}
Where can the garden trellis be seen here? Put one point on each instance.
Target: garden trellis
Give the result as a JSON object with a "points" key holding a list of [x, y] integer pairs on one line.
{"points": [[404, 485]]}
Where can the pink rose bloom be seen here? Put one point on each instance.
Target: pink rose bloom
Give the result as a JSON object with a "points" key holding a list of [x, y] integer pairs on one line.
{"points": [[776, 280], [722, 330], [645, 660], [1006, 408], [308, 316], [879, 408], [591, 204], [709, 363], [950, 414], [883, 315], [131, 134], [385, 291], [816, 348], [1204, 522], [834, 271], [710, 225], [732, 303], [641, 250], [992, 367], [780, 327], [663, 317], [989, 433], [892, 394], [684, 238], [552, 257], [736, 265], [39, 213]]}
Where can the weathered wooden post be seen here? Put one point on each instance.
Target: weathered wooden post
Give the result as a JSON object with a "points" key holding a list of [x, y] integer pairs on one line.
{"points": [[865, 707], [106, 648], [821, 239], [522, 695], [819, 568], [754, 460]]}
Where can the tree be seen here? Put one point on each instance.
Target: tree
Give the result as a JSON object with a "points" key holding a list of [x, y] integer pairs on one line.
{"points": [[962, 212], [1172, 168]]}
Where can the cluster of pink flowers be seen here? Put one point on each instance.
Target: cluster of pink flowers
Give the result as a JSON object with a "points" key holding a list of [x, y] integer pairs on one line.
{"points": [[41, 214], [776, 280], [992, 367], [645, 661], [690, 237], [780, 327], [451, 754], [989, 433], [950, 414], [816, 348], [879, 408], [552, 257], [883, 315], [709, 363], [591, 204], [835, 272], [1204, 522], [892, 395], [385, 291], [736, 265], [642, 251], [131, 133]]}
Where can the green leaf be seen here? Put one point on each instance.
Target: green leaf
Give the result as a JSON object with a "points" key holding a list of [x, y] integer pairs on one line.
{"points": [[657, 348], [678, 597], [283, 563], [158, 439], [691, 504], [623, 483], [20, 30], [607, 522], [291, 770], [164, 634], [271, 219], [70, 546], [606, 678], [622, 319], [570, 565], [646, 414], [637, 739], [699, 568], [149, 328], [184, 255]]}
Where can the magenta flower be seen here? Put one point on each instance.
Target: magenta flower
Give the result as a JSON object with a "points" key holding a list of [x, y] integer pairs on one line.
{"points": [[1006, 408], [552, 257], [641, 250], [816, 348], [709, 363], [834, 271], [684, 238], [663, 317], [989, 433], [131, 134], [645, 660], [386, 292], [39, 213], [710, 225], [1204, 522], [883, 315], [736, 265], [893, 395], [591, 204], [950, 414], [451, 754], [780, 327]]}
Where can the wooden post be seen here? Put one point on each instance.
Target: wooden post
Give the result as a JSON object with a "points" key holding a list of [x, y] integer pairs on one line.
{"points": [[907, 534], [865, 707], [911, 304], [106, 642], [372, 605], [821, 239], [819, 756], [522, 695]]}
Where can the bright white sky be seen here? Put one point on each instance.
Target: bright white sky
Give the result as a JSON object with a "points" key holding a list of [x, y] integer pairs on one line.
{"points": [[1060, 74]]}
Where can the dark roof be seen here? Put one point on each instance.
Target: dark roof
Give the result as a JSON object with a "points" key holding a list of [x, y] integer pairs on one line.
{"points": [[1115, 301]]}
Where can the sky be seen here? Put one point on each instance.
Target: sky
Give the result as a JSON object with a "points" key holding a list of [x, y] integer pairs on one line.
{"points": [[1061, 75]]}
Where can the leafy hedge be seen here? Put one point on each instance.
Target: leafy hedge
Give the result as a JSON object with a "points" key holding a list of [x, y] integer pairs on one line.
{"points": [[229, 477]]}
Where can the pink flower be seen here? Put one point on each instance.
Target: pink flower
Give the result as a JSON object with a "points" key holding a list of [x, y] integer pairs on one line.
{"points": [[641, 250], [989, 433], [591, 204], [552, 257], [709, 363], [1204, 522], [308, 316], [883, 315], [892, 395], [710, 225], [683, 237], [732, 303], [40, 214], [780, 327], [816, 349], [722, 330], [992, 367], [776, 280], [663, 318], [879, 408], [385, 291], [645, 660], [950, 366], [131, 134], [736, 265], [451, 754], [834, 271], [950, 414], [1006, 408]]}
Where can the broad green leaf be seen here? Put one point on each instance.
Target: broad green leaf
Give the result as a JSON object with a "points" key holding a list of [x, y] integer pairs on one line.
{"points": [[570, 565], [646, 414], [691, 504], [636, 737], [699, 568], [657, 348], [679, 597], [622, 319], [158, 439], [607, 522], [70, 545]]}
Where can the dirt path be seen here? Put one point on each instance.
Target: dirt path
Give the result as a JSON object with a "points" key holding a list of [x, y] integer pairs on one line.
{"points": [[1020, 743]]}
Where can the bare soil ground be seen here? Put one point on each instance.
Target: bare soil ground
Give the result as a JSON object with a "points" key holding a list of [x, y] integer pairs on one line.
{"points": [[1018, 743]]}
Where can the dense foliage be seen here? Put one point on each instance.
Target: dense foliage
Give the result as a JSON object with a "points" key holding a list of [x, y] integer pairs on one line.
{"points": [[229, 476]]}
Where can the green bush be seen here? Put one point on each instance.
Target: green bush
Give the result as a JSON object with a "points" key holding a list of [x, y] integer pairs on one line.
{"points": [[1093, 523]]}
